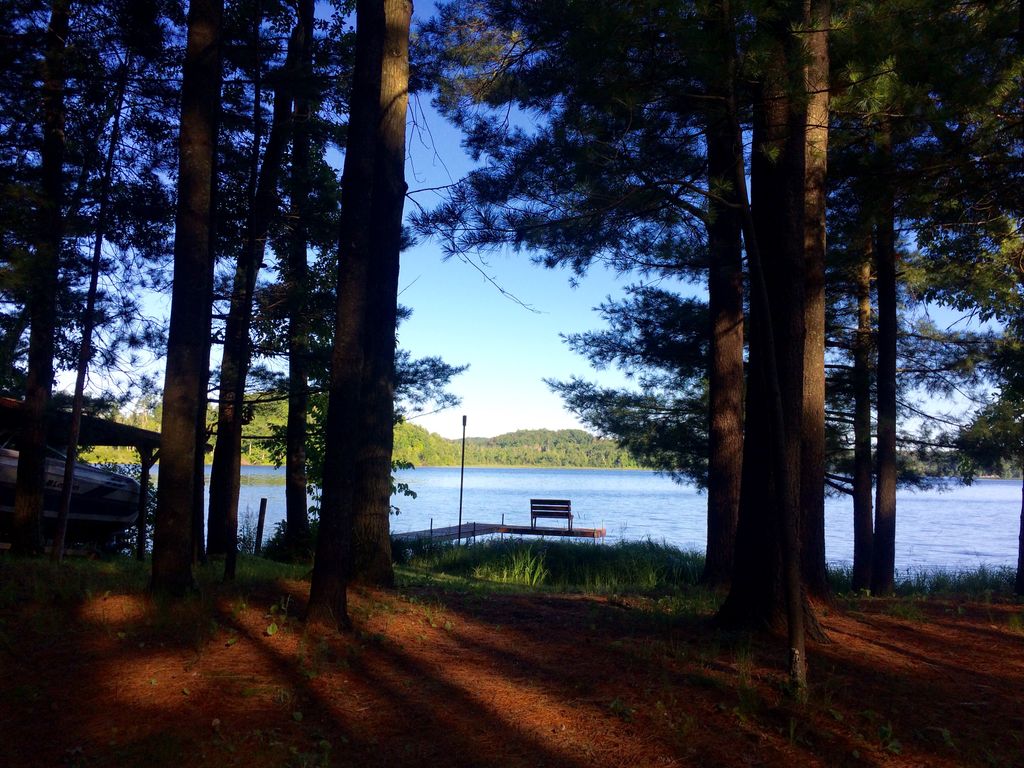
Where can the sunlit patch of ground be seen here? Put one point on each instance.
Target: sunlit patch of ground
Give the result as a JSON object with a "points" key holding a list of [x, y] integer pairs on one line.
{"points": [[434, 676]]}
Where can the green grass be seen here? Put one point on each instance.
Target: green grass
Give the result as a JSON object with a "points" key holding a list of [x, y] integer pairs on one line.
{"points": [[639, 566], [981, 583], [37, 580]]}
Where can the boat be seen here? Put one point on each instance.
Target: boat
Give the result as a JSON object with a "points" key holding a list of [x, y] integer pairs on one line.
{"points": [[103, 503]]}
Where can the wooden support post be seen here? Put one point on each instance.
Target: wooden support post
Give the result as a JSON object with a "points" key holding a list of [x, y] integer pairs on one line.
{"points": [[258, 546]]}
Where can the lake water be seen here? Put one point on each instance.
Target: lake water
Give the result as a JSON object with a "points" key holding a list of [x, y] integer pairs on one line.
{"points": [[963, 527]]}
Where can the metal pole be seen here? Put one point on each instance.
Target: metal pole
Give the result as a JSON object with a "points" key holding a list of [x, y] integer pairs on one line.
{"points": [[462, 474]]}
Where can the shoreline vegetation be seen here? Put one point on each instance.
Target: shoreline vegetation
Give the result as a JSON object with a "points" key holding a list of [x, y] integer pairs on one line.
{"points": [[525, 448], [628, 666]]}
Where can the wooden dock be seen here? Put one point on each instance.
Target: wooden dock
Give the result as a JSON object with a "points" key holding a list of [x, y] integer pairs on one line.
{"points": [[472, 530]]}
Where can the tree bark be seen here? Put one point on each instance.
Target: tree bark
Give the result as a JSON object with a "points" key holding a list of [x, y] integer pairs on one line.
{"points": [[237, 354], [297, 534], [371, 540], [812, 456], [883, 566], [1019, 584], [332, 564], [26, 533], [146, 459], [725, 373], [229, 411], [766, 588], [88, 321], [188, 337], [862, 523]]}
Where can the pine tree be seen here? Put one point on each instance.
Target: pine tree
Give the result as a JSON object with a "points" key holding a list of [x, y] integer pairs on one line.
{"points": [[189, 332]]}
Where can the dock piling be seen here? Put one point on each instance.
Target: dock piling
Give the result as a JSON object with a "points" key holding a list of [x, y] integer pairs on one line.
{"points": [[257, 546]]}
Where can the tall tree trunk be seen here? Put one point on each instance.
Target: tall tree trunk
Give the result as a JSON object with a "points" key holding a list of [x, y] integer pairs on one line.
{"points": [[883, 566], [332, 565], [237, 353], [812, 457], [1019, 584], [297, 535], [188, 338], [147, 456], [229, 411], [26, 533], [862, 524], [89, 320], [725, 373], [202, 438], [371, 540], [766, 587]]}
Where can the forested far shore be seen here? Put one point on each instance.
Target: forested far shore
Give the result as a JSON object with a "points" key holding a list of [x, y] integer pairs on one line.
{"points": [[572, 448], [568, 448]]}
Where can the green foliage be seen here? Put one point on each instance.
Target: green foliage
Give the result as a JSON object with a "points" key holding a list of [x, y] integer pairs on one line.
{"points": [[523, 448], [621, 567], [520, 565], [982, 583]]}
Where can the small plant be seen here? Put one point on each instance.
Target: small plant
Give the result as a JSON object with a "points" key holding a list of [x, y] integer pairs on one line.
{"points": [[908, 610], [622, 710], [889, 742]]}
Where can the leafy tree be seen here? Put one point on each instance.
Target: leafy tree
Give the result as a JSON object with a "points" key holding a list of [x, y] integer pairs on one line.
{"points": [[660, 339], [236, 355], [997, 435], [613, 172], [913, 127]]}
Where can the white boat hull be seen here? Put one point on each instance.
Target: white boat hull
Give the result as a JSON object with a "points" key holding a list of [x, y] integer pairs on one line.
{"points": [[102, 503]]}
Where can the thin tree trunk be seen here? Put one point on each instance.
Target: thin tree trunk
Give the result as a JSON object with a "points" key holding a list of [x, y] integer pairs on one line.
{"points": [[297, 535], [223, 478], [146, 459], [202, 437], [725, 373], [1019, 585], [88, 321], [332, 565], [371, 540], [237, 354], [812, 457], [883, 567], [188, 338], [26, 533], [862, 523]]}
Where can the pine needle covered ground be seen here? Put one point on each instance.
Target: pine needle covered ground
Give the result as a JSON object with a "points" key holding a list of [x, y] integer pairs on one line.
{"points": [[463, 666]]}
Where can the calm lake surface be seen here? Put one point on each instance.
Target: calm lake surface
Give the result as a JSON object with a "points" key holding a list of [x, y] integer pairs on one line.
{"points": [[963, 527]]}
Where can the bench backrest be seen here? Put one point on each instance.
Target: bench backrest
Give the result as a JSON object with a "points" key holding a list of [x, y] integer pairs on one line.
{"points": [[550, 505]]}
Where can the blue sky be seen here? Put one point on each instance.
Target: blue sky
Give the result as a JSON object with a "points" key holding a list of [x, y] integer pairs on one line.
{"points": [[461, 316]]}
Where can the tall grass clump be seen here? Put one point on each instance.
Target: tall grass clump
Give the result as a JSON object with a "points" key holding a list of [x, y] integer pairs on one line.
{"points": [[981, 583], [621, 567], [517, 565]]}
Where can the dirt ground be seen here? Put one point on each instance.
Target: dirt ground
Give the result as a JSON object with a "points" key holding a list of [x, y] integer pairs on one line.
{"points": [[432, 678]]}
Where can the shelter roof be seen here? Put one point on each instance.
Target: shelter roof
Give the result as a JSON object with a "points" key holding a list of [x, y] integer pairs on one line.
{"points": [[94, 430]]}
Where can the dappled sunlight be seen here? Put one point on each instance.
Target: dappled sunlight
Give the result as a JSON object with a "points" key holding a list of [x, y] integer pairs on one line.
{"points": [[115, 610], [436, 675]]}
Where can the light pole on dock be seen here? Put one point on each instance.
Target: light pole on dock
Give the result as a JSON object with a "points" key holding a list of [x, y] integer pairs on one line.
{"points": [[462, 474]]}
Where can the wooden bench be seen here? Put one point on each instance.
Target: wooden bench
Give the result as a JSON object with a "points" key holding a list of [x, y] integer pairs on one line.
{"points": [[553, 508]]}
